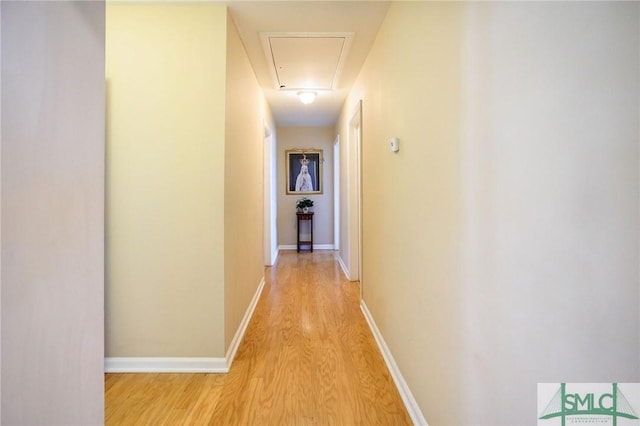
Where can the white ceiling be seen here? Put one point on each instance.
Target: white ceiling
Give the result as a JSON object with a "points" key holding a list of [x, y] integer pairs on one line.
{"points": [[297, 58]]}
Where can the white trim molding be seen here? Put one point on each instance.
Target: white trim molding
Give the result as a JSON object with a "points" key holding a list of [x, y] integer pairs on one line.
{"points": [[344, 268], [405, 393], [315, 247], [186, 364], [237, 339], [165, 365]]}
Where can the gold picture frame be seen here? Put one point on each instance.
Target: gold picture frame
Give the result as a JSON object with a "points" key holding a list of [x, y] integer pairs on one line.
{"points": [[304, 171]]}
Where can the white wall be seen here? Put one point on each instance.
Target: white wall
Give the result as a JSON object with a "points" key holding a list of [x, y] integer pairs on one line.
{"points": [[501, 243], [306, 137], [52, 212], [551, 201]]}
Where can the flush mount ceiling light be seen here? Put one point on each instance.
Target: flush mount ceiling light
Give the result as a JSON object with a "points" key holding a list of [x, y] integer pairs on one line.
{"points": [[307, 97]]}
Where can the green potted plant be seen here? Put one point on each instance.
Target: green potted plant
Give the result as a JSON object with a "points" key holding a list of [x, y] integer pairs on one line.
{"points": [[304, 204]]}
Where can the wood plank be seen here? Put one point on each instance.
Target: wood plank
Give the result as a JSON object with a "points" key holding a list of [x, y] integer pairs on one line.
{"points": [[307, 358]]}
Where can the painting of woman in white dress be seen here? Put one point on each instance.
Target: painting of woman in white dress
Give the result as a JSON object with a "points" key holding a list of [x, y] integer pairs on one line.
{"points": [[303, 181], [304, 171]]}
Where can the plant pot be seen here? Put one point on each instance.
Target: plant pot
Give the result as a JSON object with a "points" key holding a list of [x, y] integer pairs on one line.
{"points": [[305, 210]]}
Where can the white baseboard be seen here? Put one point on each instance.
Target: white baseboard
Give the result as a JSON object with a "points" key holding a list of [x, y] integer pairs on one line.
{"points": [[237, 339], [186, 364], [165, 365], [315, 247], [344, 268], [405, 393]]}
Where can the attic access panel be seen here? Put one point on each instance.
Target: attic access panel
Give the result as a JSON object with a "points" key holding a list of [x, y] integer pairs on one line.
{"points": [[306, 61]]}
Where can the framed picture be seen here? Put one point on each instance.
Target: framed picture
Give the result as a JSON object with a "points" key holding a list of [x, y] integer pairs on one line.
{"points": [[304, 171]]}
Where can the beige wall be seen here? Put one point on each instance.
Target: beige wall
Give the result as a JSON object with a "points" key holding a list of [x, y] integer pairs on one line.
{"points": [[247, 114], [166, 68], [501, 243], [306, 137], [411, 199], [52, 213]]}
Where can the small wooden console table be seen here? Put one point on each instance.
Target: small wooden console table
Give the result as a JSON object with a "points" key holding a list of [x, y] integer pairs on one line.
{"points": [[309, 217]]}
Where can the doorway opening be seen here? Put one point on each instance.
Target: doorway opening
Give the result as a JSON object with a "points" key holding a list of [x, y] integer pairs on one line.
{"points": [[355, 192], [336, 193]]}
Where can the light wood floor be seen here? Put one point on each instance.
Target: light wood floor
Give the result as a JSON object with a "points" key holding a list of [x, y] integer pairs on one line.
{"points": [[307, 358]]}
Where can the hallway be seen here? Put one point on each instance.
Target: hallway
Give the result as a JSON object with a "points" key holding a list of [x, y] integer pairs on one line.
{"points": [[307, 358]]}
